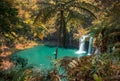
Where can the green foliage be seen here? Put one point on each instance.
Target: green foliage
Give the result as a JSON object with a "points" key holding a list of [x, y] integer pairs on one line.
{"points": [[20, 74], [26, 28], [8, 22], [8, 17], [19, 61], [39, 29], [63, 12], [93, 68], [97, 78], [106, 28]]}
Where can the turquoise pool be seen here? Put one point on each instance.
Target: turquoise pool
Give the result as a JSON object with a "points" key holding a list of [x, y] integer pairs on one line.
{"points": [[41, 55]]}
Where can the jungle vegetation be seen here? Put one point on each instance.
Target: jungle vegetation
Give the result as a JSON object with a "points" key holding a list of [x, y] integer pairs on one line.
{"points": [[60, 22]]}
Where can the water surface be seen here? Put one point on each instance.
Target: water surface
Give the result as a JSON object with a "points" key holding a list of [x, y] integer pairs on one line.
{"points": [[43, 55]]}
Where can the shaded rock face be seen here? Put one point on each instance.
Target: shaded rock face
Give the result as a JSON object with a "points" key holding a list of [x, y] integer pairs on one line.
{"points": [[73, 44], [86, 46]]}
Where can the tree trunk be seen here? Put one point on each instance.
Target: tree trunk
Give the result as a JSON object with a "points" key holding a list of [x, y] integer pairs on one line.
{"points": [[61, 33], [57, 44], [64, 34], [63, 28]]}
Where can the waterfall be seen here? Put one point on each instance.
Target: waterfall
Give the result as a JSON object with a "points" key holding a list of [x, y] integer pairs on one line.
{"points": [[85, 47], [90, 45], [81, 45]]}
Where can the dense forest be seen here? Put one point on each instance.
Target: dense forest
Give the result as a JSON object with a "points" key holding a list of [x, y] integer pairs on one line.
{"points": [[60, 23]]}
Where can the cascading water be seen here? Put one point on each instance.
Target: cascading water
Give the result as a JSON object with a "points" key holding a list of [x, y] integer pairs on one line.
{"points": [[90, 45], [82, 43]]}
